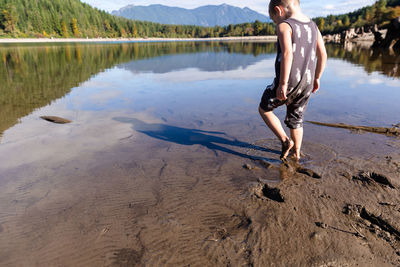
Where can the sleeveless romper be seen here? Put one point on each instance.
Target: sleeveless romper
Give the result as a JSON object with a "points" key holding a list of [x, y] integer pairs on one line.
{"points": [[301, 78]]}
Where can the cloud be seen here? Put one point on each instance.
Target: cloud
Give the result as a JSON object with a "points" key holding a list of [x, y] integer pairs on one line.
{"points": [[329, 7], [314, 9], [261, 70]]}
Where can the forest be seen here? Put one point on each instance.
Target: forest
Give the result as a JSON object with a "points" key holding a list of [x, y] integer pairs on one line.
{"points": [[74, 19], [379, 13]]}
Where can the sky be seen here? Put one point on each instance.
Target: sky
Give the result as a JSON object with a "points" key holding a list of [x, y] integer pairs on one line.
{"points": [[312, 8]]}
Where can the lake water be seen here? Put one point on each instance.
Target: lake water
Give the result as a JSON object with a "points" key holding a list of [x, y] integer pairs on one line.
{"points": [[211, 86], [159, 130]]}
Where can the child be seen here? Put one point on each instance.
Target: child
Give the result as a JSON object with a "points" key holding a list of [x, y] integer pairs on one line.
{"points": [[299, 64]]}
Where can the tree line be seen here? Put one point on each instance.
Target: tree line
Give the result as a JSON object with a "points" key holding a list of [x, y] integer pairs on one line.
{"points": [[72, 18], [379, 13]]}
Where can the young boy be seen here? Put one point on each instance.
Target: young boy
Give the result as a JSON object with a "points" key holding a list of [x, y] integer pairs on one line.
{"points": [[299, 64]]}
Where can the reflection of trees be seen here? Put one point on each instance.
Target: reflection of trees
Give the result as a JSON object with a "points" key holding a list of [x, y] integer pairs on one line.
{"points": [[381, 60], [34, 76]]}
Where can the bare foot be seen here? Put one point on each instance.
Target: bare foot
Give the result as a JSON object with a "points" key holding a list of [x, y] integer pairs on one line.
{"points": [[286, 147], [297, 156]]}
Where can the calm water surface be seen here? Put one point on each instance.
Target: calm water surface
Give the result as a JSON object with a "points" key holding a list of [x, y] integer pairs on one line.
{"points": [[209, 86]]}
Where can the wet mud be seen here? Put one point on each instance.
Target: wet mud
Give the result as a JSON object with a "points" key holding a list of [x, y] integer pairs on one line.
{"points": [[148, 202]]}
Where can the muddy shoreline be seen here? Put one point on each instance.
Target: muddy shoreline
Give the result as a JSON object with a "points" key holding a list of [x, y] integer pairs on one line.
{"points": [[147, 202]]}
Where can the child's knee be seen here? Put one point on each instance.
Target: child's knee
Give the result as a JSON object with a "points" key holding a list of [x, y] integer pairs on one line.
{"points": [[261, 111], [294, 121], [294, 124]]}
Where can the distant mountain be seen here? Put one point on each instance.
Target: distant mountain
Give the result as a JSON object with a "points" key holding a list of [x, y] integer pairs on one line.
{"points": [[208, 16], [73, 18]]}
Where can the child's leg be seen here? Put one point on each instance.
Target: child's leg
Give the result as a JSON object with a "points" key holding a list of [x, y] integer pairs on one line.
{"points": [[297, 137], [275, 125]]}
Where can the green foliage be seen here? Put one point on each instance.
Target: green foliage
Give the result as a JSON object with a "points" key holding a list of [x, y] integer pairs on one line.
{"points": [[74, 27], [8, 18], [65, 18], [379, 13], [320, 23]]}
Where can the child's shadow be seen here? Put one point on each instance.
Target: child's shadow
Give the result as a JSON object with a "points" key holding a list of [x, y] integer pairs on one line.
{"points": [[184, 136]]}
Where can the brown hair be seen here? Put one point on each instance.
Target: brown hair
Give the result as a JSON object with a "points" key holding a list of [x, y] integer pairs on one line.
{"points": [[284, 3]]}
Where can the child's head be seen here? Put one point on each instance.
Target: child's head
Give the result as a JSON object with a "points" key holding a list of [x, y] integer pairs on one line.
{"points": [[282, 9]]}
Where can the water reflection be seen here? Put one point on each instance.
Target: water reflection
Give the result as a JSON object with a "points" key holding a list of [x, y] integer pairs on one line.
{"points": [[34, 76], [380, 60], [209, 62]]}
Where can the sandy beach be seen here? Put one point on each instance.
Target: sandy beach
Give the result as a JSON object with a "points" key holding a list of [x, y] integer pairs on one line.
{"points": [[97, 40]]}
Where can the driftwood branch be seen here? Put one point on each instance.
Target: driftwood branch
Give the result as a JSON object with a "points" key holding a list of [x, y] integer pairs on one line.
{"points": [[393, 131]]}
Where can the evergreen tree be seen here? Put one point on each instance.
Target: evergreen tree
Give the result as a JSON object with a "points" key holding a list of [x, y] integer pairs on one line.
{"points": [[64, 30], [74, 27], [8, 18]]}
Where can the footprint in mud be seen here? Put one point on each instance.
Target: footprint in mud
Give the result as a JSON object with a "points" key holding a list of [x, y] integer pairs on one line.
{"points": [[308, 172], [264, 191], [127, 257], [284, 171], [383, 225], [228, 244], [238, 223], [373, 178], [289, 168]]}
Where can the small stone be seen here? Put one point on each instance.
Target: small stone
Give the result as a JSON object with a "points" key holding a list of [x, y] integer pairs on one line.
{"points": [[247, 166], [315, 236], [387, 234], [265, 164], [322, 225], [347, 175], [376, 227]]}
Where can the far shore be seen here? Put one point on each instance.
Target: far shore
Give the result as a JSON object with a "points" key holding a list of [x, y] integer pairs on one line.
{"points": [[80, 40]]}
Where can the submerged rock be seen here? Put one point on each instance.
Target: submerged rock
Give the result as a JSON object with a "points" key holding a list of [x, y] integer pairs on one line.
{"points": [[55, 119]]}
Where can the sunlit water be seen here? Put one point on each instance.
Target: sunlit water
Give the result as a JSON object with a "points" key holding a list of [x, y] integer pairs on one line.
{"points": [[207, 86]]}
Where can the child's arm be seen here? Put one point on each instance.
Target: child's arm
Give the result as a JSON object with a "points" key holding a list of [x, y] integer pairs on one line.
{"points": [[284, 32], [321, 61]]}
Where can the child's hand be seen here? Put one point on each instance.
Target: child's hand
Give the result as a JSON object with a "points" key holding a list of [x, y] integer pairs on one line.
{"points": [[281, 92], [316, 85]]}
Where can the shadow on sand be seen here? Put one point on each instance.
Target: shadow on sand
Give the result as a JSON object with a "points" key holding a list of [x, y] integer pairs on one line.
{"points": [[184, 136]]}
